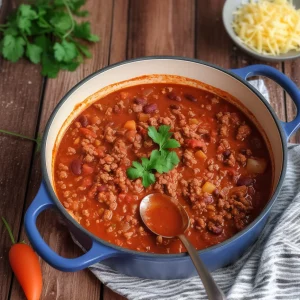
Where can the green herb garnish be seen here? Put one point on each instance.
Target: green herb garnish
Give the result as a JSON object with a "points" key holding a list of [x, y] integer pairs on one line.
{"points": [[161, 160], [38, 140], [47, 33]]}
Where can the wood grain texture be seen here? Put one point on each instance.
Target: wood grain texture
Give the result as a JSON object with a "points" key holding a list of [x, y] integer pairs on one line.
{"points": [[292, 69], [161, 28], [60, 285], [108, 294], [19, 106], [118, 43], [212, 43]]}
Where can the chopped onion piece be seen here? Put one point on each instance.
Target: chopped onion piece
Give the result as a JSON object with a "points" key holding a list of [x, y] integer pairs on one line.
{"points": [[256, 165]]}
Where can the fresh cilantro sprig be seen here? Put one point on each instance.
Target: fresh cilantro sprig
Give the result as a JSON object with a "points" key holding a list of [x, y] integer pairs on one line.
{"points": [[161, 160], [46, 32]]}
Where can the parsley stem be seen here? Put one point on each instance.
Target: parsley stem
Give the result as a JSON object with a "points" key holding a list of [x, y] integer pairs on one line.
{"points": [[72, 20], [25, 38], [9, 231], [18, 135]]}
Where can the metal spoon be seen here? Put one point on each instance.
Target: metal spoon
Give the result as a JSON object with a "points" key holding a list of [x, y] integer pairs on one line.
{"points": [[212, 290]]}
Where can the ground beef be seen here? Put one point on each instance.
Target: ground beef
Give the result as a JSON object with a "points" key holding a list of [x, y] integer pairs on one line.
{"points": [[243, 132]]}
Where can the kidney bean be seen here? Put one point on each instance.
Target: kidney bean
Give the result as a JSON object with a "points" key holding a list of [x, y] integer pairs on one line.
{"points": [[226, 153], [150, 108], [76, 166], [244, 181], [174, 106], [243, 151], [102, 188], [216, 192], [83, 120], [215, 227], [208, 199], [173, 96], [139, 100], [207, 137], [190, 97]]}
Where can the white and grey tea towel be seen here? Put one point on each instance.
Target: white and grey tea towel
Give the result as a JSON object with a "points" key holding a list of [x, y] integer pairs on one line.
{"points": [[270, 270]]}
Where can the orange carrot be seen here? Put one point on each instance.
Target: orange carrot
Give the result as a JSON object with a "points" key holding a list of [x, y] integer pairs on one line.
{"points": [[26, 267]]}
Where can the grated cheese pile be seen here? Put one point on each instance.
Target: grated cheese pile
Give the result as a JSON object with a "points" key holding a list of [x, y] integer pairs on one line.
{"points": [[268, 27]]}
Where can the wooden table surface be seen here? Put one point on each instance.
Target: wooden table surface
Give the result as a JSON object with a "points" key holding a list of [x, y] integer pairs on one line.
{"points": [[128, 29]]}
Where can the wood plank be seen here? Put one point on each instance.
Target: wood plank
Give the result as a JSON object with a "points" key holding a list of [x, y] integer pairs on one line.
{"points": [[161, 28], [118, 43], [291, 69], [19, 106], [108, 294], [79, 285], [214, 45]]}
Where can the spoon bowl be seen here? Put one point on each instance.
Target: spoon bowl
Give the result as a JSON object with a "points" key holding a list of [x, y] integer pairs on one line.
{"points": [[165, 216], [158, 204]]}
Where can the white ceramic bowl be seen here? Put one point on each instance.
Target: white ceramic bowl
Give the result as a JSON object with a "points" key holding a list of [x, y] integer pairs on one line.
{"points": [[231, 6]]}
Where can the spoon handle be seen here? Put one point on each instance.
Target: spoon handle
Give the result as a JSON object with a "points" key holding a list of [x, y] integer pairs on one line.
{"points": [[211, 287]]}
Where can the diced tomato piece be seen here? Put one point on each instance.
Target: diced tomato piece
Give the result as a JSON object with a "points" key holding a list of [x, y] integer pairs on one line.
{"points": [[87, 170], [193, 143], [126, 197], [101, 151], [87, 132]]}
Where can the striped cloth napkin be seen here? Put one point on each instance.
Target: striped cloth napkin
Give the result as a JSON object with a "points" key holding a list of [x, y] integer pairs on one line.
{"points": [[270, 270]]}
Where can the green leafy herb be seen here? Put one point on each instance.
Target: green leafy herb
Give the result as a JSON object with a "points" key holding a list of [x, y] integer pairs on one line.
{"points": [[161, 160], [162, 137], [47, 33], [38, 140]]}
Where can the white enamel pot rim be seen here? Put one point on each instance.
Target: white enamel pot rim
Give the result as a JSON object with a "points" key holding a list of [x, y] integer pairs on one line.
{"points": [[236, 237]]}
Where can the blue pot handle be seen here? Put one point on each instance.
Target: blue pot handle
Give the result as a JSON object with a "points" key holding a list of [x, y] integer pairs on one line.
{"points": [[284, 81], [96, 253]]}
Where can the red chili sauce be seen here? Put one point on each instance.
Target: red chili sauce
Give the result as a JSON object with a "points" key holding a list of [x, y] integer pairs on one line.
{"points": [[223, 178], [163, 217]]}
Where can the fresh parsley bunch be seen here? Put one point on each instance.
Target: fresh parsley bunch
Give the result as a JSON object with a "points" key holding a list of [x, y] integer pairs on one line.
{"points": [[161, 160], [47, 33]]}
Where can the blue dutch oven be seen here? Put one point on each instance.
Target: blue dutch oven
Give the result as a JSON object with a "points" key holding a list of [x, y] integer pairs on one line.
{"points": [[169, 70]]}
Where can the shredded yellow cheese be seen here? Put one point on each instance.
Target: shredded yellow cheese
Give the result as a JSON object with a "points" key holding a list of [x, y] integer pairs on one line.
{"points": [[268, 27]]}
